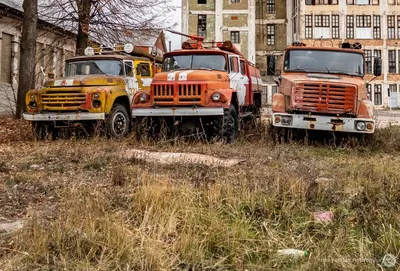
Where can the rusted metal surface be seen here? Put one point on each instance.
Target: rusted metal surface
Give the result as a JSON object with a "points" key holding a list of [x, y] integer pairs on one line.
{"points": [[325, 97]]}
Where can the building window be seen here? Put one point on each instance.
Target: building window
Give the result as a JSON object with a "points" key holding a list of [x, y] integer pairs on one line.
{"points": [[309, 27], [350, 26], [335, 27], [378, 95], [235, 37], [321, 20], [377, 27], [270, 34], [202, 25], [398, 27], [201, 1], [368, 61], [363, 27], [321, 2], [391, 27], [392, 88], [394, 2], [321, 23], [6, 52], [235, 1], [392, 61], [362, 2], [369, 92], [270, 6]]}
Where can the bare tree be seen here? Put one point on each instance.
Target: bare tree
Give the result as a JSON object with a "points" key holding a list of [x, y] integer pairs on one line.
{"points": [[106, 21], [28, 52]]}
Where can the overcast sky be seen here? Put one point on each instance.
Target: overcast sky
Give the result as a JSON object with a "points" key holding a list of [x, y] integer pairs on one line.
{"points": [[176, 18]]}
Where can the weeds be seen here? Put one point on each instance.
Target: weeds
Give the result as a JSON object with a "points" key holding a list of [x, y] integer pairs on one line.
{"points": [[88, 209]]}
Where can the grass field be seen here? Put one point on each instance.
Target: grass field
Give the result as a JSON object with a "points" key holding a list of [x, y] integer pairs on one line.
{"points": [[85, 208]]}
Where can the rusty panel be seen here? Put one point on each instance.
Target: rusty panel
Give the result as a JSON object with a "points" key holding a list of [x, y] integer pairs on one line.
{"points": [[162, 93], [189, 93], [327, 98], [176, 94]]}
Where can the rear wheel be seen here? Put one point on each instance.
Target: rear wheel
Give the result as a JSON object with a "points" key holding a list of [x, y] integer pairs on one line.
{"points": [[118, 121]]}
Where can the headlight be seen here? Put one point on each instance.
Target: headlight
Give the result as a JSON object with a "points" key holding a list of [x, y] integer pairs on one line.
{"points": [[360, 126], [143, 98], [286, 120], [216, 97], [96, 96], [33, 97], [32, 104]]}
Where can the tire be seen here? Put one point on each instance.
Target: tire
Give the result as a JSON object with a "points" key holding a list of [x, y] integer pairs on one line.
{"points": [[228, 125], [118, 122]]}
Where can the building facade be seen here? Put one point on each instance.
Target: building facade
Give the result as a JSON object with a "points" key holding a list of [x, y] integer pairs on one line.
{"points": [[256, 27], [53, 46], [373, 23]]}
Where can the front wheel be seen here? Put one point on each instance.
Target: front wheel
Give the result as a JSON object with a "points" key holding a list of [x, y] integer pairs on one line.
{"points": [[117, 122], [228, 125]]}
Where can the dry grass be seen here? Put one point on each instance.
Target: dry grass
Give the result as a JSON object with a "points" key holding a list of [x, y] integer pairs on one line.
{"points": [[86, 209]]}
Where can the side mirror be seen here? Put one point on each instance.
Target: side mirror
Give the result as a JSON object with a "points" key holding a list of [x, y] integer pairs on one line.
{"points": [[377, 66]]}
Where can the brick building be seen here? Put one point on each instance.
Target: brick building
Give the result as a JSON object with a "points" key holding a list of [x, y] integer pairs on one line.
{"points": [[373, 23], [256, 27]]}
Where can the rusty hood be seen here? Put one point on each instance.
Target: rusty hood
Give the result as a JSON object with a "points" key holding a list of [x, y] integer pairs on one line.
{"points": [[192, 75], [85, 80]]}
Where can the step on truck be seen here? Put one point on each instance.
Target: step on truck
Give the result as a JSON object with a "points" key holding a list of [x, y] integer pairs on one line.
{"points": [[324, 89], [203, 89], [97, 88]]}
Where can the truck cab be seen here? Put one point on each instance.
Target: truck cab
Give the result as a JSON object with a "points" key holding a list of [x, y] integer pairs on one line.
{"points": [[324, 88], [94, 88]]}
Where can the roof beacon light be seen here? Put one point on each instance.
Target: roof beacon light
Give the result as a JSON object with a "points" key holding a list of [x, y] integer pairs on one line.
{"points": [[89, 51], [128, 48]]}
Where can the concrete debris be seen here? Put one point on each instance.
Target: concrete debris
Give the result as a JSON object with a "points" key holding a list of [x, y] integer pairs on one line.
{"points": [[12, 226], [173, 158]]}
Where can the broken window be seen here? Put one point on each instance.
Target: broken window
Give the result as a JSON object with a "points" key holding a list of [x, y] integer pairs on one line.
{"points": [[368, 61], [235, 37], [270, 34], [392, 61], [201, 1], [378, 95], [377, 27], [309, 27], [202, 25], [350, 26], [270, 6], [391, 27]]}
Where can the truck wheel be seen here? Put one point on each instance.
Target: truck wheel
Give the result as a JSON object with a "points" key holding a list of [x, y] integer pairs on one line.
{"points": [[117, 121], [229, 131]]}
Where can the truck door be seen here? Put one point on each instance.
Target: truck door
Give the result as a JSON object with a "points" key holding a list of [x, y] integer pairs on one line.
{"points": [[144, 74], [131, 82], [238, 80]]}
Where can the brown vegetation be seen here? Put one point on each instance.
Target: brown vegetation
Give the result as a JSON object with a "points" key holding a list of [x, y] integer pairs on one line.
{"points": [[86, 208]]}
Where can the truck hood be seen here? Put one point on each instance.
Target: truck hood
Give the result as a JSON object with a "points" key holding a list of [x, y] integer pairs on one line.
{"points": [[318, 77], [85, 80], [192, 75]]}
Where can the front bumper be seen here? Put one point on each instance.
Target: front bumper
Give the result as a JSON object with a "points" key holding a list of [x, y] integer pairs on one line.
{"points": [[63, 116], [181, 111], [322, 123]]}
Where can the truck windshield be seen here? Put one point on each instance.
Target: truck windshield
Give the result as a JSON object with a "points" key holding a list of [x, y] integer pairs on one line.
{"points": [[86, 67], [193, 62], [324, 62]]}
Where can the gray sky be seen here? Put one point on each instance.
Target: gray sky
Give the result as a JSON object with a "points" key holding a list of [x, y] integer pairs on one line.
{"points": [[176, 18]]}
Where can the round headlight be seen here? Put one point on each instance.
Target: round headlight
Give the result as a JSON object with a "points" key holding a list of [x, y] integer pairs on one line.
{"points": [[360, 126], [33, 97], [216, 97], [96, 96], [143, 97]]}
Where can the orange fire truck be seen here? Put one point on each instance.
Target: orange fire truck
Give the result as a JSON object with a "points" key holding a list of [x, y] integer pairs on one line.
{"points": [[323, 88], [201, 88]]}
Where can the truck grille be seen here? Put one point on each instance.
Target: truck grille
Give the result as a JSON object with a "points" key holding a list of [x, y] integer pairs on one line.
{"points": [[179, 94], [327, 98], [163, 93], [70, 100], [190, 92]]}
